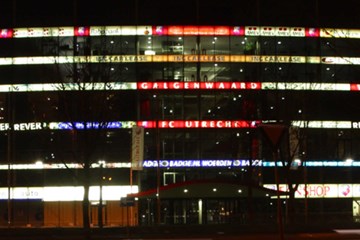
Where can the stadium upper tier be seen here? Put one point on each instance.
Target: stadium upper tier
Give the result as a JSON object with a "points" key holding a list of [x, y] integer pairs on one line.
{"points": [[68, 31]]}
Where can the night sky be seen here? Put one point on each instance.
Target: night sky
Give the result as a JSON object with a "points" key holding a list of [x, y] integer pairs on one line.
{"points": [[302, 13]]}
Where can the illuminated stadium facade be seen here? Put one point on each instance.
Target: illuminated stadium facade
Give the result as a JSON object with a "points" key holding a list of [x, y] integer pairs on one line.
{"points": [[199, 98]]}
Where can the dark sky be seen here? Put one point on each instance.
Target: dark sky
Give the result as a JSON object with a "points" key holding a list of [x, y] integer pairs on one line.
{"points": [[302, 13]]}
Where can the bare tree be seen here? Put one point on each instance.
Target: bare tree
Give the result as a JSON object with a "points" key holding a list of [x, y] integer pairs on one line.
{"points": [[86, 108]]}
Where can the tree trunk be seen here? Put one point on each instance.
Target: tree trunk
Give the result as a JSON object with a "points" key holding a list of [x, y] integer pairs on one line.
{"points": [[291, 207], [85, 205]]}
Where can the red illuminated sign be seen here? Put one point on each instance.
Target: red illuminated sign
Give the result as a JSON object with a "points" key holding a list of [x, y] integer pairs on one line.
{"points": [[199, 124], [159, 30], [81, 31], [354, 87], [6, 33], [238, 31], [175, 30], [198, 85], [312, 32], [197, 30], [221, 30], [192, 30]]}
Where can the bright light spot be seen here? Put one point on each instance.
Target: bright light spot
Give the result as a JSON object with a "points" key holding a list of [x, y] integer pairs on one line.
{"points": [[101, 162], [349, 160]]}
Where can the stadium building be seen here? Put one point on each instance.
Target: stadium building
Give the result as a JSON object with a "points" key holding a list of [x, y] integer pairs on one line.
{"points": [[170, 124]]}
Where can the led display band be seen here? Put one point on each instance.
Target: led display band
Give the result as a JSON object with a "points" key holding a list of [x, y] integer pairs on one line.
{"points": [[180, 58], [198, 85], [49, 87], [171, 124], [68, 193], [219, 85], [190, 163], [110, 86], [116, 192], [272, 31]]}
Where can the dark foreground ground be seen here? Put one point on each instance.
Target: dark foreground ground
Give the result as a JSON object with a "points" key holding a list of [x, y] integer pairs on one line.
{"points": [[202, 232]]}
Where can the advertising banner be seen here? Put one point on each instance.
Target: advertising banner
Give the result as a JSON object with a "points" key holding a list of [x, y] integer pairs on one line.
{"points": [[137, 148]]}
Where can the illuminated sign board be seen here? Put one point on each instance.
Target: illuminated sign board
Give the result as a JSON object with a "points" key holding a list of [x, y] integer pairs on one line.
{"points": [[178, 58], [43, 32], [120, 30], [42, 87], [309, 86], [199, 124], [22, 193], [116, 192], [198, 85], [322, 190], [204, 163], [339, 33], [194, 163], [30, 126], [81, 31], [171, 85], [196, 30], [326, 124], [68, 193], [6, 33], [171, 124], [137, 148], [284, 31]]}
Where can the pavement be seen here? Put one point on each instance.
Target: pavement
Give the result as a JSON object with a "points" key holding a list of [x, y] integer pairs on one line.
{"points": [[205, 232]]}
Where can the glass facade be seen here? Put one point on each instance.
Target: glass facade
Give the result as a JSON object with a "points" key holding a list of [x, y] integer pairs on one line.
{"points": [[200, 93]]}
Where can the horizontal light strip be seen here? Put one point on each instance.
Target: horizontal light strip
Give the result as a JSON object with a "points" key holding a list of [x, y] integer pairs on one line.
{"points": [[31, 126], [271, 31], [116, 192], [199, 124], [41, 165], [109, 86], [248, 86], [218, 163], [230, 124], [191, 163], [35, 60], [44, 87], [68, 193], [173, 124]]}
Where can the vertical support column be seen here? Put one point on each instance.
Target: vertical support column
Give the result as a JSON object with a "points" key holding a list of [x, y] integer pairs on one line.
{"points": [[200, 215]]}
